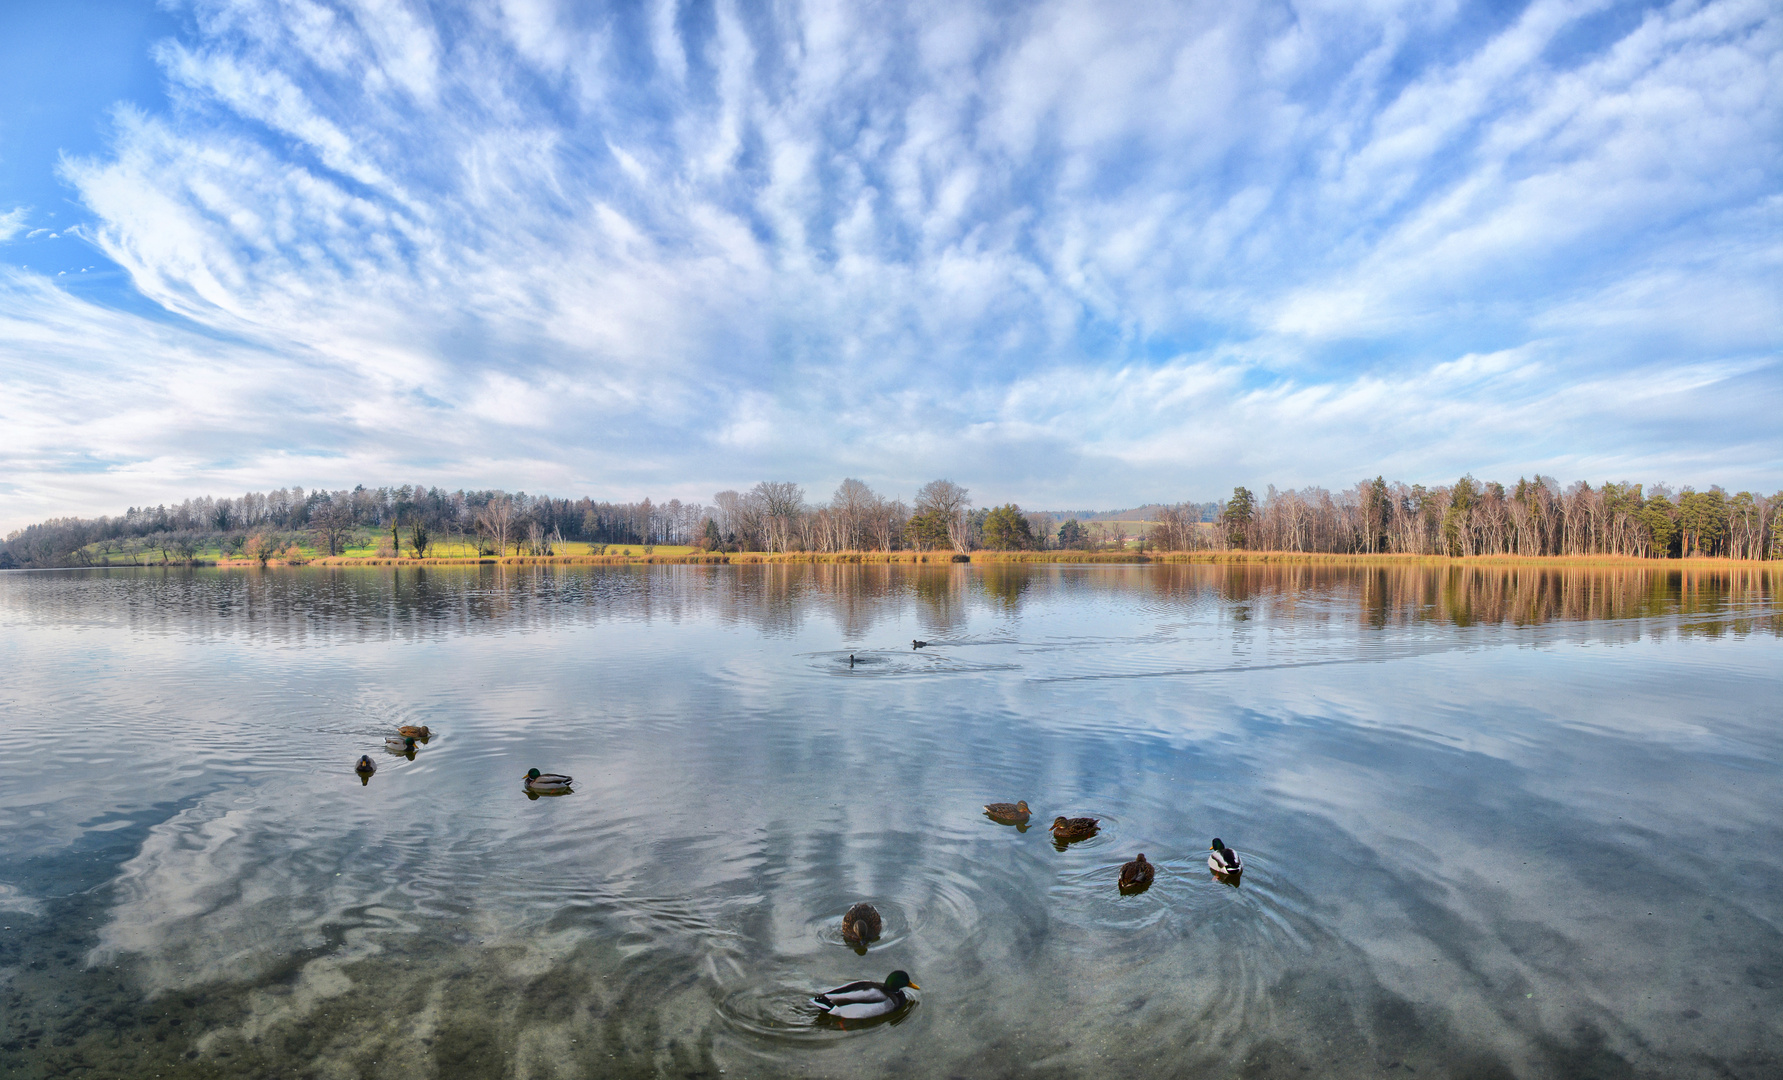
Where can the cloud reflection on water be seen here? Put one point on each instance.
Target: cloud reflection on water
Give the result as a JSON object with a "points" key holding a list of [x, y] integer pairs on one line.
{"points": [[1452, 849]]}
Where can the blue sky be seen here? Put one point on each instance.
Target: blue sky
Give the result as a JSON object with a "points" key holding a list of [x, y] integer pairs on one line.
{"points": [[1070, 254]]}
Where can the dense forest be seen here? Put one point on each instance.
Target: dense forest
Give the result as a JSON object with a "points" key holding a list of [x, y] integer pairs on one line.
{"points": [[1469, 517]]}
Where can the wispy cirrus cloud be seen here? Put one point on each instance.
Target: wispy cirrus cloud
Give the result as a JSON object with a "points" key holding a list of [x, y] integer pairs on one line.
{"points": [[1063, 252]]}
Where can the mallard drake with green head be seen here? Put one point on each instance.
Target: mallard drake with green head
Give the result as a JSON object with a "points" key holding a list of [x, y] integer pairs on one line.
{"points": [[861, 924], [1065, 829], [864, 1000], [1136, 875], [366, 766], [1224, 860], [547, 783], [1015, 813], [400, 744]]}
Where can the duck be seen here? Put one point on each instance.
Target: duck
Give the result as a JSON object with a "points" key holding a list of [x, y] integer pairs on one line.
{"points": [[409, 731], [864, 1000], [1065, 830], [914, 644], [400, 744], [365, 767], [1224, 860], [1015, 813], [547, 782], [1137, 874], [861, 924]]}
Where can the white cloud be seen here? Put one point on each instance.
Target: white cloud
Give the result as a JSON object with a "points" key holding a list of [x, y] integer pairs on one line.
{"points": [[1087, 253]]}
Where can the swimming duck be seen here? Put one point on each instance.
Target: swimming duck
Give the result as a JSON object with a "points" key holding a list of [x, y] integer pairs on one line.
{"points": [[864, 1000], [400, 744], [1224, 860], [861, 924], [409, 731], [547, 782], [365, 767], [914, 644], [1136, 875], [1015, 813], [1065, 830]]}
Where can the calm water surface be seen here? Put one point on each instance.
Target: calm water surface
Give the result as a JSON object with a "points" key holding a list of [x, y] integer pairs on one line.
{"points": [[1497, 823]]}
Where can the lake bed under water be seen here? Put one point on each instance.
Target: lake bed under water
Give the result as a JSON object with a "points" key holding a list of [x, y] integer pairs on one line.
{"points": [[1496, 822]]}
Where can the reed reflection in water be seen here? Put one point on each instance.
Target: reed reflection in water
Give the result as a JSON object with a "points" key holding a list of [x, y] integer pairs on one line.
{"points": [[1495, 822]]}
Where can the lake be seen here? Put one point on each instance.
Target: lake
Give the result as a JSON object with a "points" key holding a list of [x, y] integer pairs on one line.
{"points": [[1496, 821]]}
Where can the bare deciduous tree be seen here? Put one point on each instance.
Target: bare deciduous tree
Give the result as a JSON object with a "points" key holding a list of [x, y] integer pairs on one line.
{"points": [[332, 521], [1178, 528], [781, 502], [949, 502], [496, 521]]}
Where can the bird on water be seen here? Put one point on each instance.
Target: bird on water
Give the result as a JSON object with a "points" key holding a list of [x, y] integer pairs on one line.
{"points": [[861, 924], [1015, 813], [1136, 875], [1224, 860], [865, 1000], [1065, 829], [547, 783]]}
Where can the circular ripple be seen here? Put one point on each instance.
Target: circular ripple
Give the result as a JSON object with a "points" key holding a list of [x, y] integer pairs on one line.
{"points": [[783, 1013], [883, 663]]}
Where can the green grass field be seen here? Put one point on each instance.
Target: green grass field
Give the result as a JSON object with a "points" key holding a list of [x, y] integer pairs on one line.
{"points": [[149, 553]]}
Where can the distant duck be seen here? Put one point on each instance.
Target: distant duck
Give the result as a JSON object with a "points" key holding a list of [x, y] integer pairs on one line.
{"points": [[851, 660], [400, 744], [914, 644], [365, 768], [1136, 875], [861, 924], [865, 1000], [408, 731], [1224, 860], [1015, 813], [547, 783], [1065, 830]]}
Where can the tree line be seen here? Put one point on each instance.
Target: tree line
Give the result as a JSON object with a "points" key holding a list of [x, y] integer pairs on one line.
{"points": [[1469, 517], [1533, 517]]}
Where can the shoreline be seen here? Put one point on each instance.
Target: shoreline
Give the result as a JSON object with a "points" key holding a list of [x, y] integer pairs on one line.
{"points": [[993, 558]]}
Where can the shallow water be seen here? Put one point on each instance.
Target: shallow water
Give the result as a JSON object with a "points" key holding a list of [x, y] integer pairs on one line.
{"points": [[1495, 822]]}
